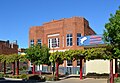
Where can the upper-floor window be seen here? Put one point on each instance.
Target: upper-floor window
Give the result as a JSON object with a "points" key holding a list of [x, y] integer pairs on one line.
{"points": [[39, 42], [69, 39], [32, 42], [53, 42], [78, 38]]}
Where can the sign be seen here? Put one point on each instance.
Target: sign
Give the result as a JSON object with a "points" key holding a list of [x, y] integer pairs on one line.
{"points": [[90, 40]]}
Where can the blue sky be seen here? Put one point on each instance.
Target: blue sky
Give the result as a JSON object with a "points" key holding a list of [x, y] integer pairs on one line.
{"points": [[17, 16]]}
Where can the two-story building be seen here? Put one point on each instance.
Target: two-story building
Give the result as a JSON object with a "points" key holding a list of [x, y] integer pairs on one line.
{"points": [[62, 35]]}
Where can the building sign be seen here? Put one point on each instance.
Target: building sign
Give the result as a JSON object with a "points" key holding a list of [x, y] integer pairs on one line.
{"points": [[91, 40]]}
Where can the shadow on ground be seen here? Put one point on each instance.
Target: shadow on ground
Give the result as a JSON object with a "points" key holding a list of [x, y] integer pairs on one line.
{"points": [[2, 80]]}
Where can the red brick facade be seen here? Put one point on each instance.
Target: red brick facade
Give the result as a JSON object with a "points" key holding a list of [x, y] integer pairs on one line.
{"points": [[59, 29], [8, 48]]}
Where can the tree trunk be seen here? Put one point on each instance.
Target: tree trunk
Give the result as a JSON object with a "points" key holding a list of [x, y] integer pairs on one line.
{"points": [[4, 67], [57, 69], [13, 68], [80, 68], [111, 71], [17, 69], [33, 70], [116, 68]]}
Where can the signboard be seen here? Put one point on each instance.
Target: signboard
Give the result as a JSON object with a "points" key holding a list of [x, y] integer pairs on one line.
{"points": [[90, 40]]}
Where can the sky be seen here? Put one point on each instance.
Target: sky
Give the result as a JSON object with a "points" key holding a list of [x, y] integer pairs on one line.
{"points": [[17, 16]]}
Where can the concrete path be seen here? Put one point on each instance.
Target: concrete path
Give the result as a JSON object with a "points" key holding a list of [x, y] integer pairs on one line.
{"points": [[77, 80], [68, 80]]}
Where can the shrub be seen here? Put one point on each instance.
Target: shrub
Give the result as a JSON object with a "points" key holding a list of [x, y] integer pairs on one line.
{"points": [[96, 75], [37, 78], [24, 67], [117, 80], [23, 76], [6, 75], [1, 75], [51, 78], [15, 76], [34, 77]]}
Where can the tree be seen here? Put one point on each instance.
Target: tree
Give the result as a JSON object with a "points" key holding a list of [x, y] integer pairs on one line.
{"points": [[11, 59], [43, 56], [75, 55], [58, 58], [31, 55], [38, 55], [112, 37], [3, 59]]}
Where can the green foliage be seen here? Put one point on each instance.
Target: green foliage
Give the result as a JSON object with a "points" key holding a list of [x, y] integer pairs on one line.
{"points": [[3, 58], [57, 57], [38, 54], [69, 55], [43, 58], [97, 75], [37, 78], [12, 58], [112, 35], [74, 54], [34, 77], [24, 76], [117, 80], [1, 75], [96, 53], [51, 78]]}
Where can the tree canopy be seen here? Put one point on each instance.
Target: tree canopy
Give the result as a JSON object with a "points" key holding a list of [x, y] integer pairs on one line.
{"points": [[38, 54], [57, 57], [11, 58], [112, 34]]}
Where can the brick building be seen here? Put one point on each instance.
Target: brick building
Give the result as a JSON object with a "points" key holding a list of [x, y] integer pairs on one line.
{"points": [[8, 48], [61, 35], [64, 31]]}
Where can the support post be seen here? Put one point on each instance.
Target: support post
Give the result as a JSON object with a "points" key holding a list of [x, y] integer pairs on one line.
{"points": [[13, 68], [57, 69], [33, 69], [17, 69], [80, 68], [111, 71]]}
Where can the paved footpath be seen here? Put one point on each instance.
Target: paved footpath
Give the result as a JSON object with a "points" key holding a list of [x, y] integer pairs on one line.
{"points": [[69, 80], [77, 80]]}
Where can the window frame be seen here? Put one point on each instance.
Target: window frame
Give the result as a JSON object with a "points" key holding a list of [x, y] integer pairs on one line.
{"points": [[32, 42], [78, 38], [69, 39], [39, 42], [53, 41]]}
